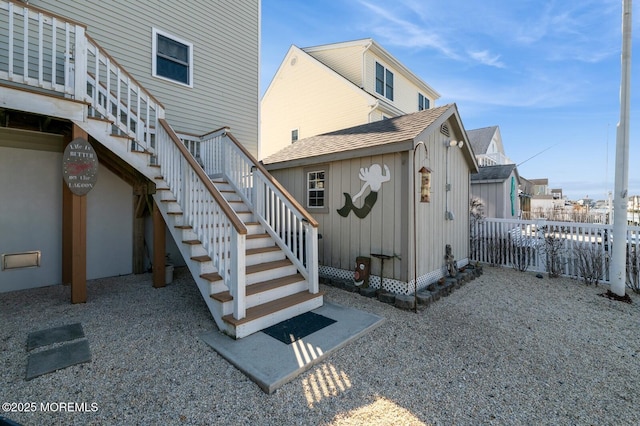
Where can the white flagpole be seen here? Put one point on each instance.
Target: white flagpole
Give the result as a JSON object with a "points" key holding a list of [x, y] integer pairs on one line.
{"points": [[619, 252]]}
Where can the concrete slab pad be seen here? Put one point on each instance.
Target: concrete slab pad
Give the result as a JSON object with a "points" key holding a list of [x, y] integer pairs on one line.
{"points": [[271, 363], [64, 356], [53, 335]]}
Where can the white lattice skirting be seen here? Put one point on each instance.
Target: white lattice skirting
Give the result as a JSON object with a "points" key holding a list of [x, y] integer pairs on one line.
{"points": [[389, 284]]}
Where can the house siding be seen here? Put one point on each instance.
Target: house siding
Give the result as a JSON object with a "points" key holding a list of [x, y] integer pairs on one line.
{"points": [[405, 93], [225, 38], [346, 61], [293, 97], [34, 222]]}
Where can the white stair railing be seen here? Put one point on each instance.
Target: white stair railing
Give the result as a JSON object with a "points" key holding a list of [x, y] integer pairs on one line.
{"points": [[52, 53], [290, 225], [220, 231]]}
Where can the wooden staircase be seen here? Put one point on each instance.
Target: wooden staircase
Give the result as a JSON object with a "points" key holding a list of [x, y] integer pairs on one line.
{"points": [[251, 248], [275, 289]]}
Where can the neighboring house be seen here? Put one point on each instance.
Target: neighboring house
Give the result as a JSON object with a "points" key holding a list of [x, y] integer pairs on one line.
{"points": [[334, 86], [90, 95], [497, 187], [487, 146], [497, 183], [358, 183]]}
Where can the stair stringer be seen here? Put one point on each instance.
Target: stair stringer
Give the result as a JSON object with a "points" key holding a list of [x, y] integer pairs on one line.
{"points": [[195, 268], [101, 131]]}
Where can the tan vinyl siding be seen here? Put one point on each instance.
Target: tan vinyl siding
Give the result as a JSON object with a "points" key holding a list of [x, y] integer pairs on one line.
{"points": [[294, 96], [225, 38], [405, 93], [346, 61]]}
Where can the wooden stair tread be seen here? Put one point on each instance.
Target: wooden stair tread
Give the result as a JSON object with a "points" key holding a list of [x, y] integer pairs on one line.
{"points": [[225, 296], [211, 277], [272, 307], [169, 201], [175, 213], [203, 258], [255, 236], [260, 267], [191, 242], [182, 226], [259, 250], [214, 276]]}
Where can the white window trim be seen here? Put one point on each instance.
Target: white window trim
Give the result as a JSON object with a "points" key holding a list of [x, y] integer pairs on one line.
{"points": [[154, 42], [320, 168], [384, 81]]}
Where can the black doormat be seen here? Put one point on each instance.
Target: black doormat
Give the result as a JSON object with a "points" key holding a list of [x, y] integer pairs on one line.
{"points": [[296, 328]]}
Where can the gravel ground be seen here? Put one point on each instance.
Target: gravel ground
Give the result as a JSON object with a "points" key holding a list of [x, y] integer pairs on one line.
{"points": [[507, 348]]}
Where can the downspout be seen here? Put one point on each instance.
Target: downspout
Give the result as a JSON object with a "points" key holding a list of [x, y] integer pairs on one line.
{"points": [[374, 107]]}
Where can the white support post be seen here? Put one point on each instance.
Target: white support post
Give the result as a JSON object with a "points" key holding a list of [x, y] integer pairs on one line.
{"points": [[40, 50], [238, 265], [80, 63], [54, 51], [312, 258]]}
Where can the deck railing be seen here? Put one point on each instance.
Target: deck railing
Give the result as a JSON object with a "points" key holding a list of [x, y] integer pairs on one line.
{"points": [[53, 54], [493, 159], [216, 225], [564, 248], [293, 229]]}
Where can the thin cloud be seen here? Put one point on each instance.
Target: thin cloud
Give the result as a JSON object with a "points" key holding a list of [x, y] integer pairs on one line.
{"points": [[486, 58], [400, 32]]}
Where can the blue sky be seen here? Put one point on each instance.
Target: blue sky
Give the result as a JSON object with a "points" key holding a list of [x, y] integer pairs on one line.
{"points": [[546, 72]]}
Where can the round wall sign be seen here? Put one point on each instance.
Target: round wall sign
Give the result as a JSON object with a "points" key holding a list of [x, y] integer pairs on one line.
{"points": [[80, 166]]}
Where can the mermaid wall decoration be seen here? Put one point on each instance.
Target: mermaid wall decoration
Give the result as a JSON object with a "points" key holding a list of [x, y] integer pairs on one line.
{"points": [[373, 178]]}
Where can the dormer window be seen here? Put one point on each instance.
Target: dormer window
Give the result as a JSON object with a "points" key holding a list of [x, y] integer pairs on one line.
{"points": [[384, 81], [423, 102]]}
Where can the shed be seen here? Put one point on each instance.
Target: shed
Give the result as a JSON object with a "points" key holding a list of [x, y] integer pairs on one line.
{"points": [[364, 187], [497, 187]]}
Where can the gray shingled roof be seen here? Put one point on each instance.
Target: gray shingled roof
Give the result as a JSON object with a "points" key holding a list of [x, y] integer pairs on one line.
{"points": [[394, 130], [500, 172], [481, 138]]}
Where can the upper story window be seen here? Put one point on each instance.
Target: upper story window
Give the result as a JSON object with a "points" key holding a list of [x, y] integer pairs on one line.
{"points": [[172, 58], [384, 81], [294, 135], [423, 102]]}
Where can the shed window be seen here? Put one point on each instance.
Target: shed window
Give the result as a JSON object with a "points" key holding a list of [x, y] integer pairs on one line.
{"points": [[172, 58], [316, 189], [384, 81]]}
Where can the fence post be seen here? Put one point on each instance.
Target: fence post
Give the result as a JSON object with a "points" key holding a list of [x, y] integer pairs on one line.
{"points": [[540, 247]]}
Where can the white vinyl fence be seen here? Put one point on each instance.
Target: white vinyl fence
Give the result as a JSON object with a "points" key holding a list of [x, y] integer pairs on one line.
{"points": [[560, 248]]}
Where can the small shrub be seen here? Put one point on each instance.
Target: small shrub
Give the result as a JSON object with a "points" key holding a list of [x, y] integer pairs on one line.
{"points": [[590, 263], [554, 250], [633, 269]]}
